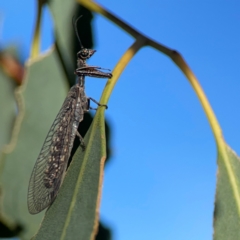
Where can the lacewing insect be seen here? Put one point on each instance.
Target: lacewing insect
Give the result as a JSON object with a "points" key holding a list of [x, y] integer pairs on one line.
{"points": [[51, 164]]}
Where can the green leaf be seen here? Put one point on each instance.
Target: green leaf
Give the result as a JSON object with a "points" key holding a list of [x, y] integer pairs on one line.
{"points": [[39, 100], [62, 12], [7, 108], [227, 205], [7, 116], [74, 213], [66, 40]]}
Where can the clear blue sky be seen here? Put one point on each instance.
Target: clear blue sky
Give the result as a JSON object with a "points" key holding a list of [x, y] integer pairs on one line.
{"points": [[160, 183]]}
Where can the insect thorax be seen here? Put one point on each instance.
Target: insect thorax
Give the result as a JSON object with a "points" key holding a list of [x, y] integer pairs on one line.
{"points": [[81, 63]]}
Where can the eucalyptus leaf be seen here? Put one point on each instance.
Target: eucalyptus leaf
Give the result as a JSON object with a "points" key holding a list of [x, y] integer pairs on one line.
{"points": [[74, 213], [227, 205], [66, 38], [62, 12], [7, 108], [39, 100], [7, 116]]}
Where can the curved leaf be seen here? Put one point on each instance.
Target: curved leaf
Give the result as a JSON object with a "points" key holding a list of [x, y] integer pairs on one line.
{"points": [[62, 12], [227, 205], [73, 213], [7, 116], [8, 109], [39, 100]]}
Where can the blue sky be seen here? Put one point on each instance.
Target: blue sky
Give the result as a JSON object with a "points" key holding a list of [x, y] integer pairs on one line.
{"points": [[160, 183]]}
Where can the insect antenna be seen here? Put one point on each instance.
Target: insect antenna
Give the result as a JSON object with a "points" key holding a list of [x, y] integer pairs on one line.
{"points": [[76, 31]]}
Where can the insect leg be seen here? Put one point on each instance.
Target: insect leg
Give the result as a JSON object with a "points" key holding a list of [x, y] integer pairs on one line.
{"points": [[92, 73], [81, 141], [91, 67], [99, 104]]}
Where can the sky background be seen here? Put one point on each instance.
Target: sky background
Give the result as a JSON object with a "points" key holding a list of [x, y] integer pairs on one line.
{"points": [[160, 182]]}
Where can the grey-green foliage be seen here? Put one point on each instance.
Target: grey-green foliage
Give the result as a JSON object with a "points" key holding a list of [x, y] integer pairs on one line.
{"points": [[73, 213], [40, 98], [7, 108], [226, 212]]}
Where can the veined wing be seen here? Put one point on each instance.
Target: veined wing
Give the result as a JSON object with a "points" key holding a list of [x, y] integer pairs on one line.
{"points": [[50, 167]]}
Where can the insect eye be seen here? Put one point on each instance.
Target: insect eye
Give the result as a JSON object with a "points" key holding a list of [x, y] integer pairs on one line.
{"points": [[84, 53]]}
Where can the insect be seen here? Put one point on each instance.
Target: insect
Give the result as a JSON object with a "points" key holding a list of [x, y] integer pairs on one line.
{"points": [[51, 164]]}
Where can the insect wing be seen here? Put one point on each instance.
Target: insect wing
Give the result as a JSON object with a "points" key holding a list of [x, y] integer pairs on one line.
{"points": [[50, 167]]}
